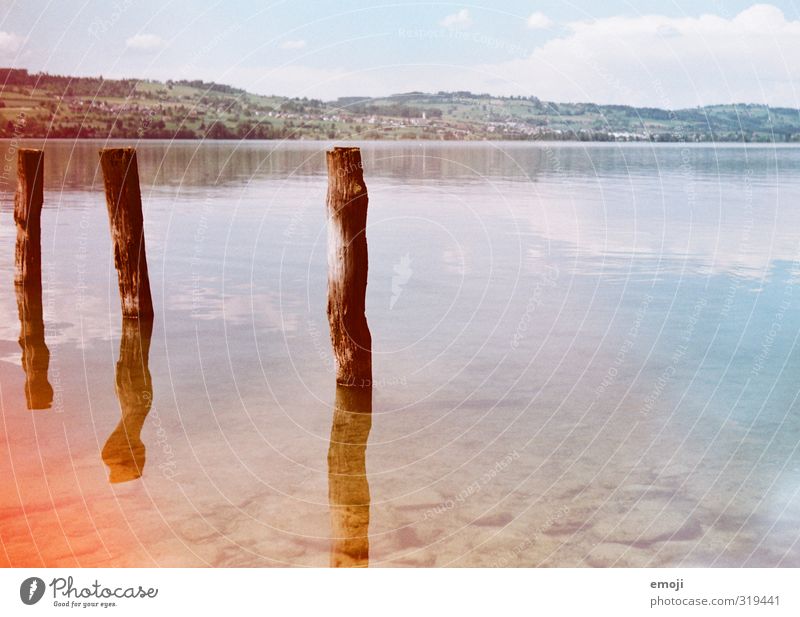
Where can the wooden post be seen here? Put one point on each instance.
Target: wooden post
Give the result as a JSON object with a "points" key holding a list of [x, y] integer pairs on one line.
{"points": [[347, 267], [124, 451], [35, 355], [124, 201], [348, 487], [28, 202]]}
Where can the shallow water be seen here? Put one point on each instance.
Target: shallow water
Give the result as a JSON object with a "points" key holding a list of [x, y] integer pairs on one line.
{"points": [[584, 355]]}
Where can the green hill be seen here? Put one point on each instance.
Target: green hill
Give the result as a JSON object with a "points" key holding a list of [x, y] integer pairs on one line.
{"points": [[39, 105]]}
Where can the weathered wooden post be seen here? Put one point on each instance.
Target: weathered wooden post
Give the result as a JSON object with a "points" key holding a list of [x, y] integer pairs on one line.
{"points": [[124, 201], [347, 267], [348, 487], [124, 451], [28, 202]]}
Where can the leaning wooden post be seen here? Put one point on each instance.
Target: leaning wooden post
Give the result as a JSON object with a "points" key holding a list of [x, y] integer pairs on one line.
{"points": [[28, 202], [347, 267], [124, 201]]}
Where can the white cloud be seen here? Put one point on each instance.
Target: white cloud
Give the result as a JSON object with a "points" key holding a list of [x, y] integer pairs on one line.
{"points": [[298, 44], [10, 43], [539, 21], [144, 42], [661, 61], [457, 21]]}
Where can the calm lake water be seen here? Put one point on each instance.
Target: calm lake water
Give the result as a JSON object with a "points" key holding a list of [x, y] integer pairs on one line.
{"points": [[584, 355]]}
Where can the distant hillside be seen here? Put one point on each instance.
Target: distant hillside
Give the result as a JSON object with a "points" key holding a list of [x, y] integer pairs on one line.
{"points": [[39, 105]]}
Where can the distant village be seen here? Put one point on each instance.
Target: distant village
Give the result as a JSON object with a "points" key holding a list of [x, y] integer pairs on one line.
{"points": [[53, 106]]}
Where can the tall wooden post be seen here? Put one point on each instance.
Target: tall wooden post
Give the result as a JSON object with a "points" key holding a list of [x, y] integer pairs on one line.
{"points": [[124, 451], [124, 201], [347, 267], [28, 202], [348, 487]]}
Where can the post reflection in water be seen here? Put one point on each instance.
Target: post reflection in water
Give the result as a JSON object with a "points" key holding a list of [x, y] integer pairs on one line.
{"points": [[124, 452], [348, 488], [35, 355]]}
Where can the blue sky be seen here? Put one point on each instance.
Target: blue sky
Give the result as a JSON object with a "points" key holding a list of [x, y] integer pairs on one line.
{"points": [[665, 54]]}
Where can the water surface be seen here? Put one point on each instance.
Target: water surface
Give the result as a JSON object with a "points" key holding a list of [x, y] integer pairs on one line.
{"points": [[584, 355]]}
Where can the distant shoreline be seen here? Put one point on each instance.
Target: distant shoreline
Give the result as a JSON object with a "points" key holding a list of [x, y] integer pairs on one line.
{"points": [[55, 106], [433, 142]]}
